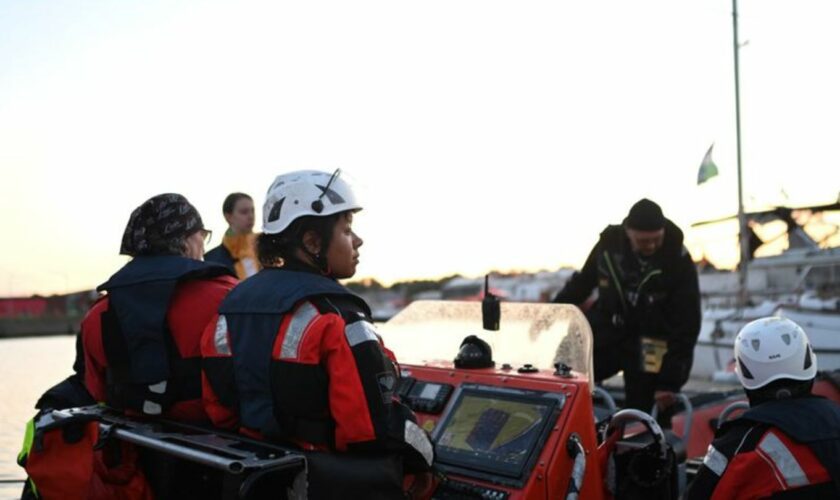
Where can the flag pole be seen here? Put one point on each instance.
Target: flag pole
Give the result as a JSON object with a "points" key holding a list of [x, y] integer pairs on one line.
{"points": [[742, 218]]}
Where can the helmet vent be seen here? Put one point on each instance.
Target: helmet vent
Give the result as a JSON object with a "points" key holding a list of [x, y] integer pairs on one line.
{"points": [[276, 185], [274, 213], [786, 338], [744, 371], [807, 358], [755, 344]]}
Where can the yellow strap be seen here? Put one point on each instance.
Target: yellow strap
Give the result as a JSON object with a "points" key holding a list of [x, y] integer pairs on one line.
{"points": [[28, 438], [615, 280], [646, 278]]}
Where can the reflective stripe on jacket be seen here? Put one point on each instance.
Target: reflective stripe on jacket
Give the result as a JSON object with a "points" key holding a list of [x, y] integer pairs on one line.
{"points": [[788, 447], [297, 354]]}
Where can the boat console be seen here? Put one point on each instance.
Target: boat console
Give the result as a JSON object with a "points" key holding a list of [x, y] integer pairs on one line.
{"points": [[512, 430], [497, 434]]}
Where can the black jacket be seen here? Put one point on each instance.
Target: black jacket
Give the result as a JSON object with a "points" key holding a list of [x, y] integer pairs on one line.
{"points": [[657, 296], [221, 255]]}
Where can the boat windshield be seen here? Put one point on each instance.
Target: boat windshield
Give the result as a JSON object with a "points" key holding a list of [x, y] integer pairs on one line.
{"points": [[538, 334]]}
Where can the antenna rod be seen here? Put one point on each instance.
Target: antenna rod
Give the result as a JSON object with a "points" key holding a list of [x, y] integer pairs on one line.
{"points": [[743, 237]]}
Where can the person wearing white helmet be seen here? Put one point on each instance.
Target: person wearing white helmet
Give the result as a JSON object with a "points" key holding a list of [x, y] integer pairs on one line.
{"points": [[294, 356], [788, 443]]}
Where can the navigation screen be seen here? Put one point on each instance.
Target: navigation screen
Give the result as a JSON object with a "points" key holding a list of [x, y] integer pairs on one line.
{"points": [[493, 431]]}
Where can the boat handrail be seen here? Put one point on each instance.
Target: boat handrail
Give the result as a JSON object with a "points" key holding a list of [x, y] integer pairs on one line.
{"points": [[732, 408], [689, 415], [606, 397]]}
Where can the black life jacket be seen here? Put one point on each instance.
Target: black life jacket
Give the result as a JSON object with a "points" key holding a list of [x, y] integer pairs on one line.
{"points": [[812, 421], [253, 311], [145, 371], [221, 255]]}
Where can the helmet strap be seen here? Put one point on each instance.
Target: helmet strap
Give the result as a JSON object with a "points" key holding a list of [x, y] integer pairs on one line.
{"points": [[327, 271], [319, 258], [321, 261]]}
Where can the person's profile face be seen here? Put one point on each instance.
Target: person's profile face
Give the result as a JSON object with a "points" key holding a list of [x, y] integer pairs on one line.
{"points": [[343, 252], [241, 219], [645, 243]]}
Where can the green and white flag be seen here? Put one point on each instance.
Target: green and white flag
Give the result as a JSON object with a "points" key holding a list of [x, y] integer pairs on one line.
{"points": [[708, 169]]}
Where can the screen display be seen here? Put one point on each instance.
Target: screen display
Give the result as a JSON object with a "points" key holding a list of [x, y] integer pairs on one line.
{"points": [[430, 391], [493, 432], [424, 390]]}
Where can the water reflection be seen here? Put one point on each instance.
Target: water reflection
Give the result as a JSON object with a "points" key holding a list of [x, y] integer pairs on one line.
{"points": [[28, 368]]}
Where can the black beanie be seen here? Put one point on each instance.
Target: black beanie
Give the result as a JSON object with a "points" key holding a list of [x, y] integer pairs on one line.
{"points": [[645, 215]]}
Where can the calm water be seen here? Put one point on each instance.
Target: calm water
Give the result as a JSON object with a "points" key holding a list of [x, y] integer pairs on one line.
{"points": [[29, 367]]}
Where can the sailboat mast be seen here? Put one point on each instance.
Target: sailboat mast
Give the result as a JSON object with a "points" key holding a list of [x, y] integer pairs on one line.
{"points": [[742, 218]]}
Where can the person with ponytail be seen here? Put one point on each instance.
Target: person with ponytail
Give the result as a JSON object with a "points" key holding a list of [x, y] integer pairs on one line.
{"points": [[237, 249]]}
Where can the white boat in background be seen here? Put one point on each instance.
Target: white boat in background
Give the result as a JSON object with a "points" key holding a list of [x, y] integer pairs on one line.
{"points": [[713, 353], [802, 283]]}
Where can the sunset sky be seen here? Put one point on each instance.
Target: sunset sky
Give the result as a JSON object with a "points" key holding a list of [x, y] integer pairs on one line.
{"points": [[483, 134]]}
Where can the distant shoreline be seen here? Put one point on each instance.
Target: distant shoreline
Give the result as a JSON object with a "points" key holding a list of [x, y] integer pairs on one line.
{"points": [[38, 327]]}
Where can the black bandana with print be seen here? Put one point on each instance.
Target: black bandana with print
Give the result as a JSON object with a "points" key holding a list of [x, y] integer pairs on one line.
{"points": [[160, 225]]}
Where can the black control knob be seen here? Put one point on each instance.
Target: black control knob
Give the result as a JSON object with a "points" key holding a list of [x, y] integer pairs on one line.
{"points": [[528, 368]]}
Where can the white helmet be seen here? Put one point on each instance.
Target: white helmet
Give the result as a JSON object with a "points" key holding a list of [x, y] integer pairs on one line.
{"points": [[773, 348], [305, 192]]}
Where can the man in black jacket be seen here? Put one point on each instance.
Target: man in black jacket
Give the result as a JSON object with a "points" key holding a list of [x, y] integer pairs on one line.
{"points": [[646, 317]]}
